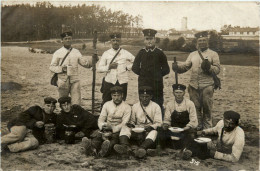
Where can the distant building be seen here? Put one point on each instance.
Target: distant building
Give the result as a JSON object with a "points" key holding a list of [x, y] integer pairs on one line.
{"points": [[246, 33], [184, 22]]}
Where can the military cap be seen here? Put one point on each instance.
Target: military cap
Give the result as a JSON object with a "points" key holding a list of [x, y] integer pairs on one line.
{"points": [[64, 99], [116, 89], [115, 35], [149, 32], [178, 87], [66, 33], [145, 90], [49, 100], [201, 34], [234, 116]]}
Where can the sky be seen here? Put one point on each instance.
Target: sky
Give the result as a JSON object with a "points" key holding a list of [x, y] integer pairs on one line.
{"points": [[165, 15]]}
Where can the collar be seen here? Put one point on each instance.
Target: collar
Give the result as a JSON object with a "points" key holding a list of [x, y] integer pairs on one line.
{"points": [[150, 49], [117, 104], [147, 105], [116, 50]]}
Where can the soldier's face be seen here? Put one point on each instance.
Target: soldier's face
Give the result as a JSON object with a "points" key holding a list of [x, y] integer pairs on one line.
{"points": [[49, 108], [115, 43], [117, 97], [66, 107], [67, 41], [179, 94], [149, 41], [229, 125], [202, 43], [145, 99]]}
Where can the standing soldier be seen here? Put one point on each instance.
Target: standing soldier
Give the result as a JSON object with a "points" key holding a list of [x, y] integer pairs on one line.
{"points": [[116, 62], [65, 63], [201, 86], [151, 65]]}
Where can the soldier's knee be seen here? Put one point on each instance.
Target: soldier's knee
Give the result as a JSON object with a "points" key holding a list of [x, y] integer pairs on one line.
{"points": [[34, 143], [21, 133]]}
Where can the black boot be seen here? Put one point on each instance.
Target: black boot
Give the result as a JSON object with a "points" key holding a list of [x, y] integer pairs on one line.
{"points": [[123, 147], [141, 152]]}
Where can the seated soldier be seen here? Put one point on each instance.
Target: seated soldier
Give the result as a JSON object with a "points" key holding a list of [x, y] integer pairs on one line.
{"points": [[74, 119], [231, 138], [181, 113], [145, 114], [115, 114], [34, 118]]}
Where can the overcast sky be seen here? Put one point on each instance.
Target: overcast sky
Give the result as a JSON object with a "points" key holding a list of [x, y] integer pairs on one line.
{"points": [[166, 15]]}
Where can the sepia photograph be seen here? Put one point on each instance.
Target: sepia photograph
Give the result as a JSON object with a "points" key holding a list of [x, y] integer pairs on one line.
{"points": [[129, 85]]}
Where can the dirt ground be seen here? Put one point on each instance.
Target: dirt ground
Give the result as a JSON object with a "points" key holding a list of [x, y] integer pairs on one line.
{"points": [[28, 76]]}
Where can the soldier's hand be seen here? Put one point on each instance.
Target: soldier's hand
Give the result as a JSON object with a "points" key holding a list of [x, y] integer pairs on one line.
{"points": [[148, 128], [39, 124], [175, 67], [165, 126], [205, 65], [201, 133], [113, 66], [107, 127], [129, 125]]}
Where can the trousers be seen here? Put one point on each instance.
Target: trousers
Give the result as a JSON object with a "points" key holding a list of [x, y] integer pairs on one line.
{"points": [[203, 100], [19, 139], [67, 88]]}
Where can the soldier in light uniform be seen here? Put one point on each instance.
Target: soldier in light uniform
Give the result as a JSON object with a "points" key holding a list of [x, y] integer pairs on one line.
{"points": [[117, 71], [181, 113], [68, 77], [27, 130], [151, 66], [114, 115], [231, 138], [145, 114], [201, 86]]}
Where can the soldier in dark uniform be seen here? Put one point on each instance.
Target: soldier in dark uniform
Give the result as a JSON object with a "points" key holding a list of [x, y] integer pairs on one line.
{"points": [[151, 65], [74, 117], [34, 118]]}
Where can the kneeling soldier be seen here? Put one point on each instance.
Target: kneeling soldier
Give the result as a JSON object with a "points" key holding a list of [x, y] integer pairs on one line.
{"points": [[181, 113], [74, 119], [115, 114], [231, 138], [34, 118], [145, 114]]}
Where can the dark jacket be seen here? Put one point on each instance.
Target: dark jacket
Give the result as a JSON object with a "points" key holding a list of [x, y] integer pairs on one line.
{"points": [[29, 117], [82, 119], [151, 65]]}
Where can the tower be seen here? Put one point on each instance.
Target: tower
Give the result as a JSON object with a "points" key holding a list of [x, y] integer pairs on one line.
{"points": [[184, 24]]}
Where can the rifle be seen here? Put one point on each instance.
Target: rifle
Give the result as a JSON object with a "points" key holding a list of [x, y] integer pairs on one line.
{"points": [[176, 73], [94, 69]]}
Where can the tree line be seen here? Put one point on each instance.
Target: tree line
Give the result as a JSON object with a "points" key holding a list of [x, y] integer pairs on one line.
{"points": [[41, 21]]}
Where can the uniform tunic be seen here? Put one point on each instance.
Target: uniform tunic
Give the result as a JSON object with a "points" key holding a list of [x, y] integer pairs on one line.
{"points": [[139, 119], [151, 65], [233, 142], [82, 119], [69, 84], [201, 85], [116, 115]]}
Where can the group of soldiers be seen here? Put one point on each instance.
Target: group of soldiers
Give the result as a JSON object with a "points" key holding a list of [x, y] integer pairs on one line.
{"points": [[145, 128]]}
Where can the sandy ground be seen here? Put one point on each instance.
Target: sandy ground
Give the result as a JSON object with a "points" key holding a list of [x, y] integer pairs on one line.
{"points": [[240, 92]]}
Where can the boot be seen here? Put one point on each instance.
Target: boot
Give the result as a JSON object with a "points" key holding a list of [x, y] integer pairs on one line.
{"points": [[185, 154], [86, 144], [123, 147], [141, 152], [104, 148]]}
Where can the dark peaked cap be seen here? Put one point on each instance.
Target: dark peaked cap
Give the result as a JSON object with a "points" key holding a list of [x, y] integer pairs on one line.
{"points": [[234, 116], [115, 35], [178, 87], [66, 33], [149, 32], [49, 100], [64, 99], [145, 90], [116, 89], [201, 34]]}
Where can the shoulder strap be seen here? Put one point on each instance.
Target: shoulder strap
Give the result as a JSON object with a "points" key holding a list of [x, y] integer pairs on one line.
{"points": [[65, 56], [201, 56], [221, 137], [115, 56], [147, 116]]}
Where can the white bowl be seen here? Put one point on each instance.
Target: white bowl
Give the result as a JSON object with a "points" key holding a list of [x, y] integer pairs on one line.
{"points": [[202, 140], [176, 129], [138, 130]]}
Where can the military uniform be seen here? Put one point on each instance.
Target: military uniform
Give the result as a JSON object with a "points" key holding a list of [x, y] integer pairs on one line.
{"points": [[201, 86], [20, 137], [118, 76], [151, 66], [69, 85]]}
